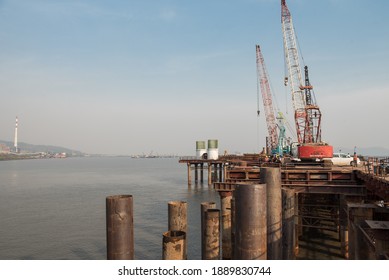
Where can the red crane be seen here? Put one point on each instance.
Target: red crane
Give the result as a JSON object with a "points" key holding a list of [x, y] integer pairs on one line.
{"points": [[307, 112], [267, 99]]}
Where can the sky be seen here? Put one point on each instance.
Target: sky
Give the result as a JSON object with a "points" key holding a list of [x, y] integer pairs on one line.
{"points": [[155, 76]]}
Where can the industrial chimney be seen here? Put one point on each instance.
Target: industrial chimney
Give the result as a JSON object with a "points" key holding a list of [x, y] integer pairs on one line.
{"points": [[16, 136]]}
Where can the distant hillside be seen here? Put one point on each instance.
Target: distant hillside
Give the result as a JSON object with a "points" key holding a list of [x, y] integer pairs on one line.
{"points": [[371, 151], [30, 148]]}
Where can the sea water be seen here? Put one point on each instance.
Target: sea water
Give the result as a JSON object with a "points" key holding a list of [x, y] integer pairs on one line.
{"points": [[55, 208]]}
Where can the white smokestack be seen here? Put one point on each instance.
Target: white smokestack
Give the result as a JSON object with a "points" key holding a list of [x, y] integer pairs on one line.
{"points": [[16, 136]]}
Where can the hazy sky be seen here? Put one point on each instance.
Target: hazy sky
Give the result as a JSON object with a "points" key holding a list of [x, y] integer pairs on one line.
{"points": [[135, 76]]}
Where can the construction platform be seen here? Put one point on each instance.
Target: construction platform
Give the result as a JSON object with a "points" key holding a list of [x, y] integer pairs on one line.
{"points": [[346, 207], [228, 170]]}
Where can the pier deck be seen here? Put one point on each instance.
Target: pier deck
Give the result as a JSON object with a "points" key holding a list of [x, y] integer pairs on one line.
{"points": [[309, 178]]}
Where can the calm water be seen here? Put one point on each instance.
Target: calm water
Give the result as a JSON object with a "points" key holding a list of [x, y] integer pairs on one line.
{"points": [[55, 208]]}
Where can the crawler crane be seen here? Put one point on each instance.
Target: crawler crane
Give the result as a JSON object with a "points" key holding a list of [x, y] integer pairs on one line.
{"points": [[306, 112], [266, 98], [278, 142]]}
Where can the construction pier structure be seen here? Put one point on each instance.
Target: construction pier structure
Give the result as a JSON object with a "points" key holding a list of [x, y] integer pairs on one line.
{"points": [[313, 211]]}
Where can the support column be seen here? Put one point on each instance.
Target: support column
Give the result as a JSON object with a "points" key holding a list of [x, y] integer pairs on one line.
{"points": [[220, 172], [225, 202], [272, 178], [215, 172], [288, 232], [189, 174], [204, 207], [209, 173], [120, 227], [177, 218], [212, 234], [196, 173], [173, 245], [250, 227], [201, 172]]}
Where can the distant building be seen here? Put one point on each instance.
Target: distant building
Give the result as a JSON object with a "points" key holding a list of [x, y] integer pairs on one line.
{"points": [[4, 148]]}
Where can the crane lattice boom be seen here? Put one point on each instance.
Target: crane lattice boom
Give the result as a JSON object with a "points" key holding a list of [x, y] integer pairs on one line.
{"points": [[267, 98], [307, 113]]}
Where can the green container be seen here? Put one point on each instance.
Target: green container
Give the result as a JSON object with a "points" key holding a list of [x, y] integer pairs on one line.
{"points": [[200, 145], [212, 144]]}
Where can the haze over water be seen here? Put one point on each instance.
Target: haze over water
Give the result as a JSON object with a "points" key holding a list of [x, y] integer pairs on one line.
{"points": [[55, 208]]}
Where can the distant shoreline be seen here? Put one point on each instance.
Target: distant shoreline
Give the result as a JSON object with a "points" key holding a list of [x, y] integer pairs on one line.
{"points": [[13, 156], [5, 157]]}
